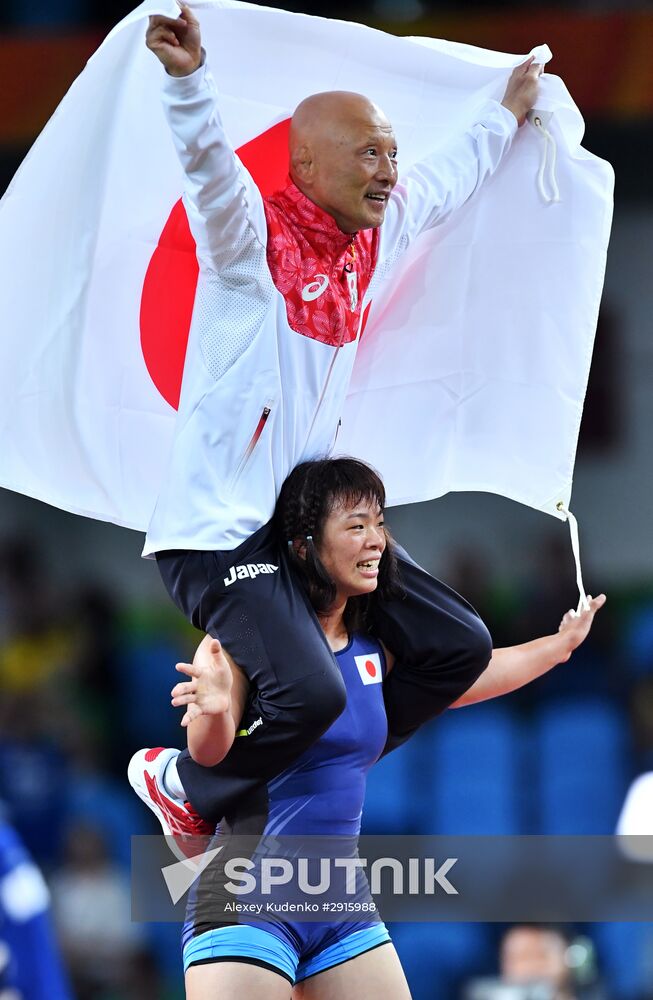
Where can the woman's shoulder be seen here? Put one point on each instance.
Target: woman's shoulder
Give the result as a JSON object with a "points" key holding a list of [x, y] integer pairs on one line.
{"points": [[364, 642]]}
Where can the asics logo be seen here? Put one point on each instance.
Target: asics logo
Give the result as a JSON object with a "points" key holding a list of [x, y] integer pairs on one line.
{"points": [[315, 288], [248, 572]]}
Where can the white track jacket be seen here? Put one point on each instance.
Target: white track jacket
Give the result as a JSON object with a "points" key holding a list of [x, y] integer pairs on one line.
{"points": [[277, 316]]}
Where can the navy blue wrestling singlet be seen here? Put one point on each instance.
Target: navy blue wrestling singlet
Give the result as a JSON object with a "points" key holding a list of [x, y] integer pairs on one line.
{"points": [[322, 795]]}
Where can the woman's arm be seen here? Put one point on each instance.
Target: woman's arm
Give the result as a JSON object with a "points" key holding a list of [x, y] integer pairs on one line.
{"points": [[215, 698], [514, 666]]}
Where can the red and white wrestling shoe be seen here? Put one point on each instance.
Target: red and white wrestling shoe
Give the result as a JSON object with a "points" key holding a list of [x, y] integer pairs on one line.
{"points": [[186, 830]]}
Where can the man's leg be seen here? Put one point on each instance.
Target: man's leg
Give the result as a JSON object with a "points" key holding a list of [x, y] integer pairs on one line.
{"points": [[440, 644], [254, 604]]}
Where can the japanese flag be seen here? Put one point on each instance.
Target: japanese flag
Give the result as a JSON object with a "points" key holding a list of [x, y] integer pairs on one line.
{"points": [[369, 668], [472, 369]]}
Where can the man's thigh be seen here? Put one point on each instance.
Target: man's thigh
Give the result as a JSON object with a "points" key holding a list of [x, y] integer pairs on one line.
{"points": [[252, 601], [187, 573]]}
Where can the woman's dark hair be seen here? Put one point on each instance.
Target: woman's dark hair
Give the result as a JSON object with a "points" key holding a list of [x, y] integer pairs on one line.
{"points": [[307, 497]]}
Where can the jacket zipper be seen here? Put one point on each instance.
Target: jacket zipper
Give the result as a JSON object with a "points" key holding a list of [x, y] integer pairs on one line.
{"points": [[253, 441], [325, 386]]}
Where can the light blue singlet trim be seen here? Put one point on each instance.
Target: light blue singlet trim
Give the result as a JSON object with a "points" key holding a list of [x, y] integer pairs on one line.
{"points": [[244, 941], [351, 946]]}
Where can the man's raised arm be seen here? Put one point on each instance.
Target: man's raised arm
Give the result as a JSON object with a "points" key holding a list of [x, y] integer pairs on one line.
{"points": [[223, 203], [521, 91], [436, 186]]}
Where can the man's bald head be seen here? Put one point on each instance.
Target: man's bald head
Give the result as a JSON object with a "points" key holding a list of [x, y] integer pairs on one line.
{"points": [[343, 150], [330, 117]]}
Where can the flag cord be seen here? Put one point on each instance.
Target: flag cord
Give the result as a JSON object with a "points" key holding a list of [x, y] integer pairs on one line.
{"points": [[583, 603], [549, 144]]}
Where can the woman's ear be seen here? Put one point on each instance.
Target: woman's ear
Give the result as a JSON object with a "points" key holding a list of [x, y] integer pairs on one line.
{"points": [[299, 547]]}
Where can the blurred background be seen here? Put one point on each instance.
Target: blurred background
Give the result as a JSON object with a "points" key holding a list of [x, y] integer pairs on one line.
{"points": [[88, 639]]}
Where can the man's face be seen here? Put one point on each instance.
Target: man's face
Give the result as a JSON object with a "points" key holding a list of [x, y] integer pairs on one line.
{"points": [[349, 167], [534, 954]]}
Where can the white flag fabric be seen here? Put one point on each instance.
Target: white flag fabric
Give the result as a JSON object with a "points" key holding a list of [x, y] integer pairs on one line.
{"points": [[473, 364]]}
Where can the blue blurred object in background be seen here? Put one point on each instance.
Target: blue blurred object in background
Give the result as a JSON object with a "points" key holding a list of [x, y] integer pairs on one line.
{"points": [[474, 754], [582, 766], [29, 957], [627, 956], [44, 14], [438, 957]]}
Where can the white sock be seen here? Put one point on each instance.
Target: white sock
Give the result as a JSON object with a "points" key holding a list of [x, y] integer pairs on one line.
{"points": [[171, 781]]}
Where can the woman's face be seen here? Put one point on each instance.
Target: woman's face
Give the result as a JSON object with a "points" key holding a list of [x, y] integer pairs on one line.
{"points": [[351, 546]]}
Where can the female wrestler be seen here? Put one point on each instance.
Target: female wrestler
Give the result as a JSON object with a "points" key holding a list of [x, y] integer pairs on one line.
{"points": [[330, 513]]}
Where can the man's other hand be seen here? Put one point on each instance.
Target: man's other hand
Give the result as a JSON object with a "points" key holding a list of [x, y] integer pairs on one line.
{"points": [[521, 91], [176, 42]]}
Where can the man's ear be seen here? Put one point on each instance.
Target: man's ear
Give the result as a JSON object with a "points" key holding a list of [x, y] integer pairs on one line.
{"points": [[303, 164]]}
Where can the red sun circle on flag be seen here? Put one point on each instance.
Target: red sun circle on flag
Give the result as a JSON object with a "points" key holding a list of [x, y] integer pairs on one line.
{"points": [[171, 278], [170, 282], [371, 668]]}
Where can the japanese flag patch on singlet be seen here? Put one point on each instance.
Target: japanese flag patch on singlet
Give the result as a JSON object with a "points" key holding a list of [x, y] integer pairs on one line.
{"points": [[369, 668]]}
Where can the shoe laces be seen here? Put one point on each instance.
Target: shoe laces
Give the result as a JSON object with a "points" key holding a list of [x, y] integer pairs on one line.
{"points": [[200, 826]]}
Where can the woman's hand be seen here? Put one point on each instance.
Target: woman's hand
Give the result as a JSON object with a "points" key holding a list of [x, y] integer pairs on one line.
{"points": [[209, 690], [575, 626]]}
